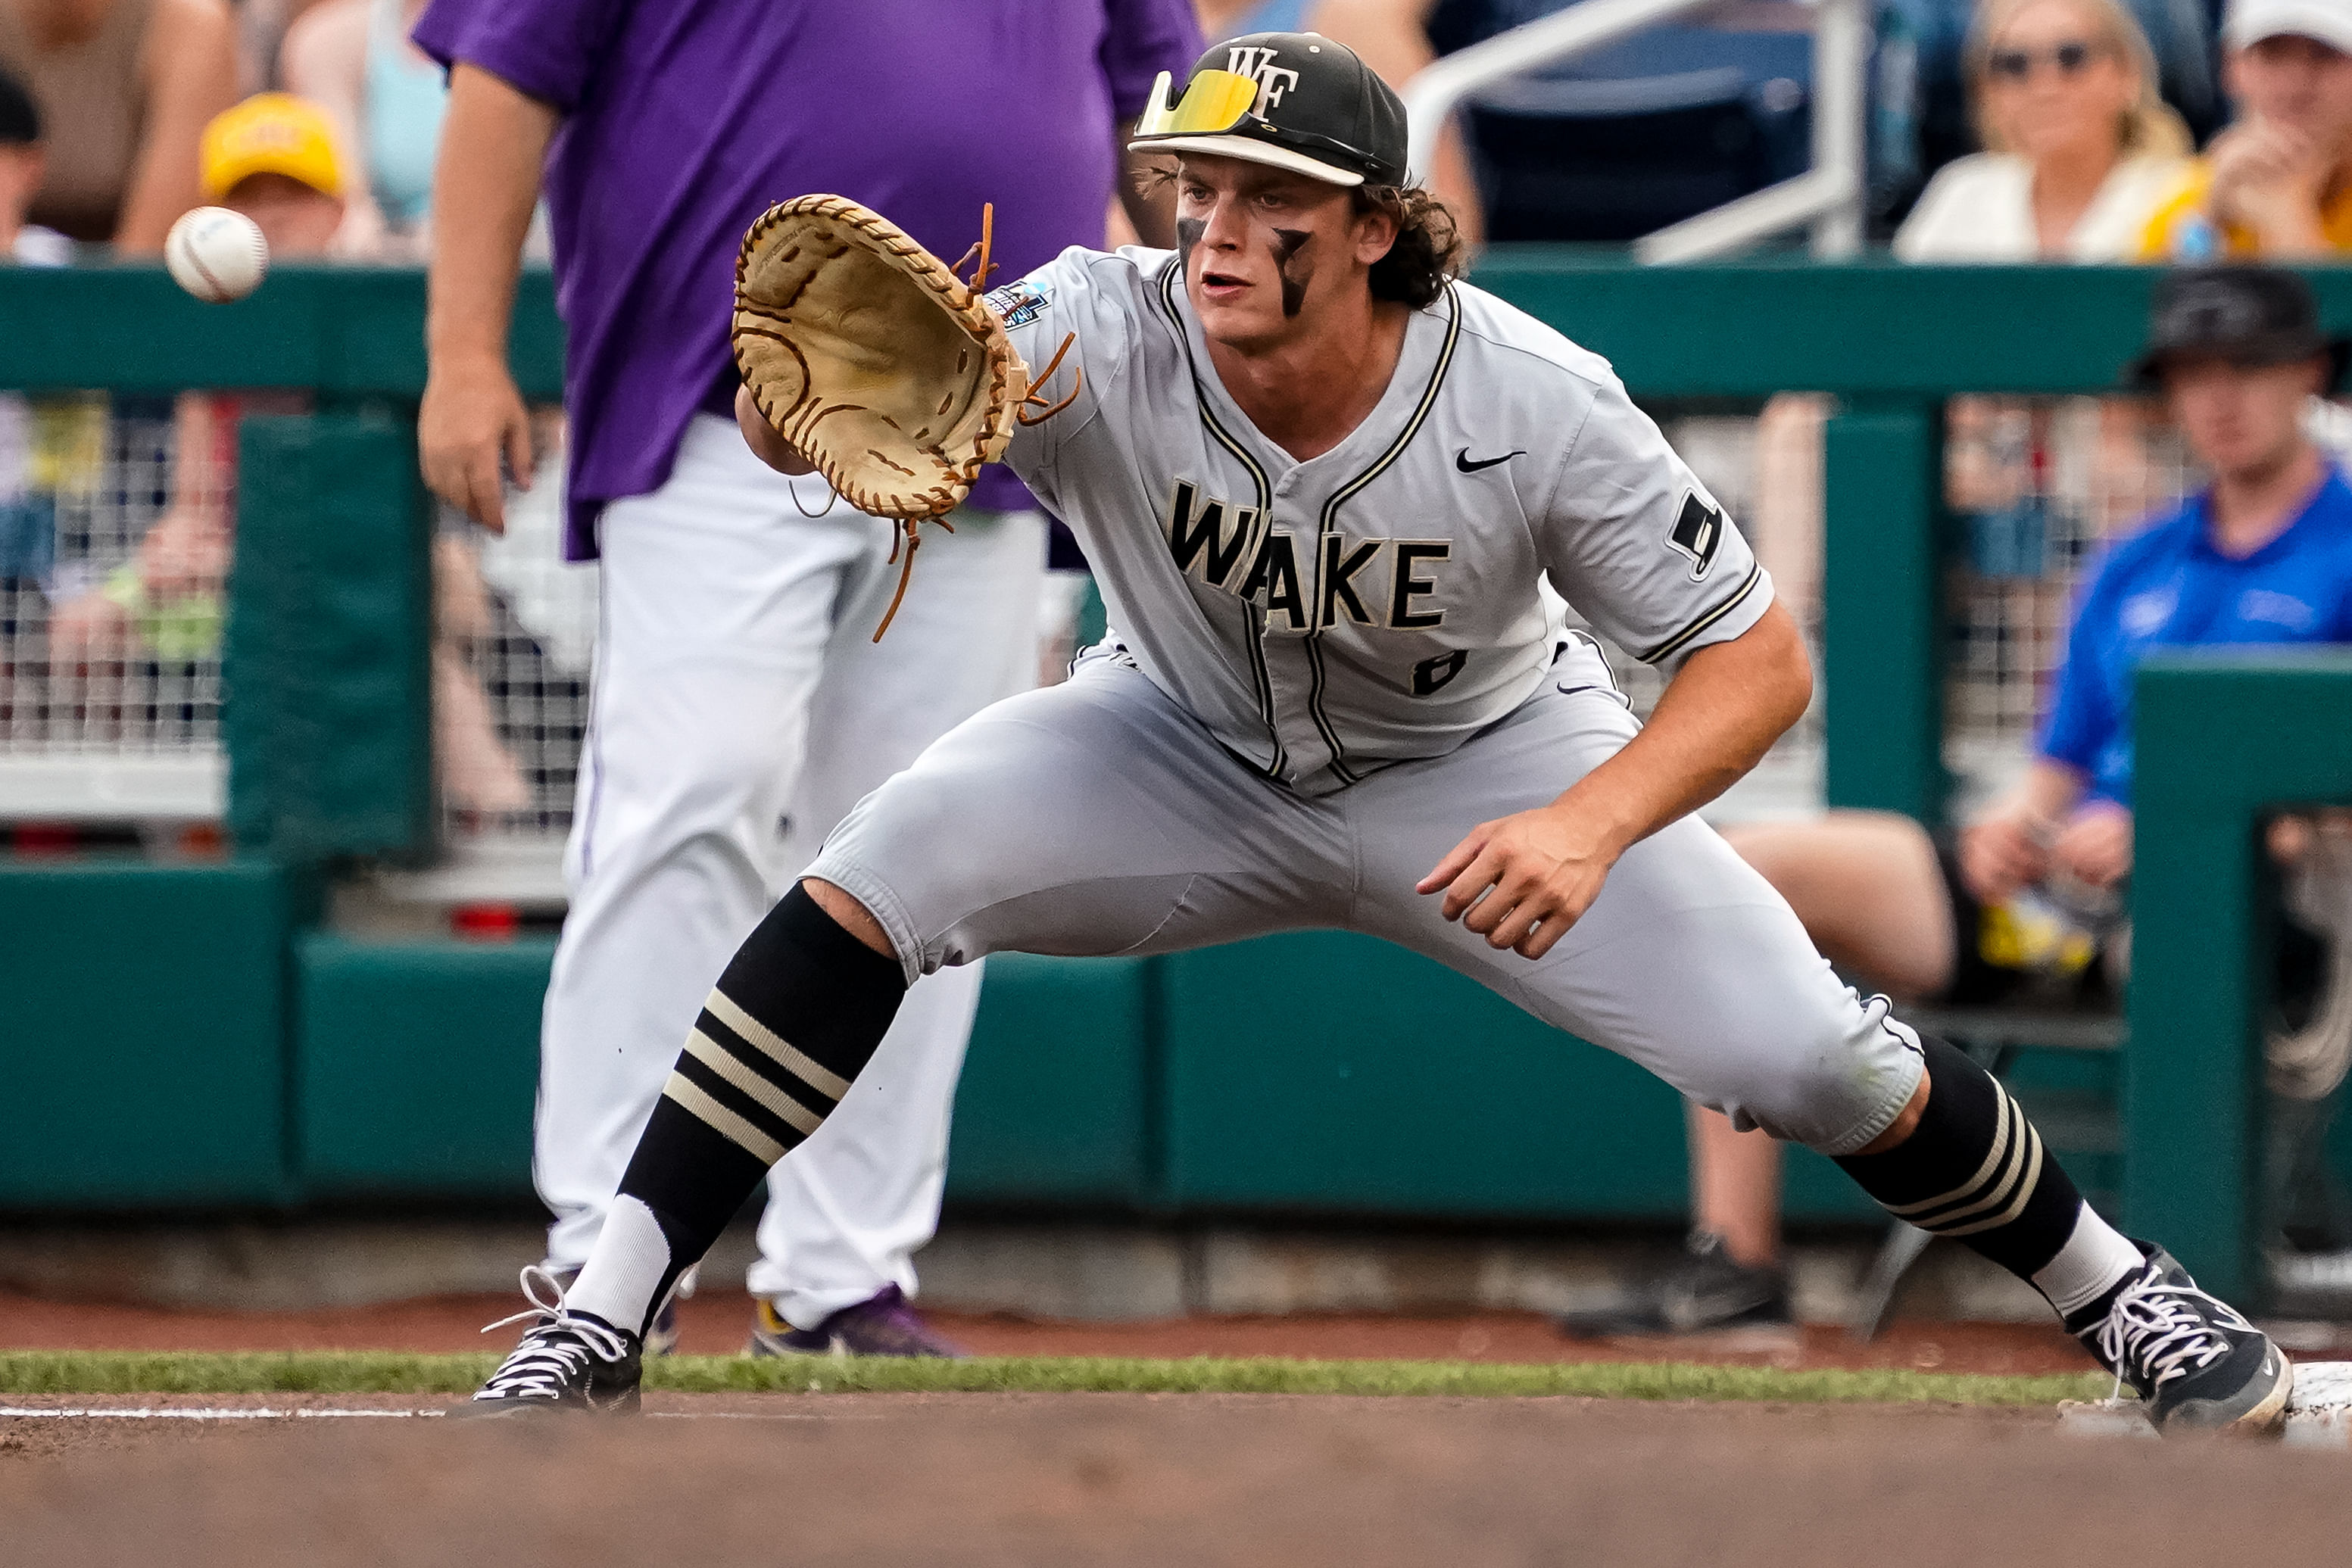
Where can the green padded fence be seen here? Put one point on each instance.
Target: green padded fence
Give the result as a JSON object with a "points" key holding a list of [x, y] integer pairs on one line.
{"points": [[142, 1055], [2222, 737], [329, 736]]}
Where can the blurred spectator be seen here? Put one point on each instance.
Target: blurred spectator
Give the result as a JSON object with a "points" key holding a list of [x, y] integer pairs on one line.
{"points": [[274, 158], [21, 162], [353, 58], [2079, 152], [2278, 184], [261, 29], [27, 515], [1393, 36], [1222, 19], [2078, 147], [125, 89]]}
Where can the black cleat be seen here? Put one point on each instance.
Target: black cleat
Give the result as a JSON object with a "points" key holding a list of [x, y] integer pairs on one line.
{"points": [[567, 1361], [2191, 1356], [1703, 1289]]}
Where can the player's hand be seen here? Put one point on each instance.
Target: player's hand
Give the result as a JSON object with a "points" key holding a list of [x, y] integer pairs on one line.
{"points": [[2096, 846], [767, 444], [471, 417], [1522, 881], [1999, 854]]}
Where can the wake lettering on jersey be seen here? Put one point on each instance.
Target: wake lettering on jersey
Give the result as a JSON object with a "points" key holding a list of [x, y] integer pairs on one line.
{"points": [[1205, 548], [1272, 583], [1375, 582], [1341, 566]]}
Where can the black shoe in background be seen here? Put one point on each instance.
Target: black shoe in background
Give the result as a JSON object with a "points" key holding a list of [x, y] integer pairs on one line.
{"points": [[1702, 1290]]}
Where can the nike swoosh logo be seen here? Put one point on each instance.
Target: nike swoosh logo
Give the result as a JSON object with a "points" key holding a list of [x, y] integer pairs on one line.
{"points": [[1461, 460]]}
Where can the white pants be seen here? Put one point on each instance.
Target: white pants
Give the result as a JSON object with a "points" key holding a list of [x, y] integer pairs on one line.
{"points": [[739, 708]]}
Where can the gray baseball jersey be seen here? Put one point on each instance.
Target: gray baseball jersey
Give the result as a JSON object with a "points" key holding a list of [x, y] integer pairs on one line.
{"points": [[1379, 602]]}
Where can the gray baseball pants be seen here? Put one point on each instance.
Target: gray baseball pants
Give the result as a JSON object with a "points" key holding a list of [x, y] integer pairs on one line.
{"points": [[1098, 817]]}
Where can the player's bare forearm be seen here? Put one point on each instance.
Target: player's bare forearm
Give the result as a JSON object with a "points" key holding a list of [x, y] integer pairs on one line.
{"points": [[1522, 881], [767, 444], [493, 150], [1714, 722]]}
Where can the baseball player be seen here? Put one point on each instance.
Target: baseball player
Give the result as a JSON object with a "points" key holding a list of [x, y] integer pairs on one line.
{"points": [[740, 703], [1320, 480]]}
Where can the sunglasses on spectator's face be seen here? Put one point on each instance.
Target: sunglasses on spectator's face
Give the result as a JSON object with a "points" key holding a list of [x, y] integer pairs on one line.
{"points": [[2016, 65]]}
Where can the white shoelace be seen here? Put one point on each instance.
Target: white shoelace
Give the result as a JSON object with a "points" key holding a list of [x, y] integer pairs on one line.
{"points": [[544, 1363], [2154, 1326]]}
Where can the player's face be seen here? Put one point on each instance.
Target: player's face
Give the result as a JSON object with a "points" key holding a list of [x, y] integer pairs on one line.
{"points": [[2241, 420], [2298, 82], [2055, 84], [1264, 249]]}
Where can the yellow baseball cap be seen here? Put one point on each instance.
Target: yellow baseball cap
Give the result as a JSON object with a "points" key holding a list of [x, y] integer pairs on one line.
{"points": [[270, 133]]}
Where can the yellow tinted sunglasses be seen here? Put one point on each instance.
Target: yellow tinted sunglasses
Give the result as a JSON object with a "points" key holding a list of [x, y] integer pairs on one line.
{"points": [[1213, 102]]}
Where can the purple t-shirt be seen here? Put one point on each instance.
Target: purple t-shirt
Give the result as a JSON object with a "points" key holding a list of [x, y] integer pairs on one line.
{"points": [[683, 123]]}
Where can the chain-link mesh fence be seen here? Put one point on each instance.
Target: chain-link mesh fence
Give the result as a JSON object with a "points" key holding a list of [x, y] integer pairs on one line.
{"points": [[114, 554], [114, 549]]}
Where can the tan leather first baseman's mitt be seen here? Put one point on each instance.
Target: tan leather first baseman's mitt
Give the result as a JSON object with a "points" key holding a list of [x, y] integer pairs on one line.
{"points": [[876, 362]]}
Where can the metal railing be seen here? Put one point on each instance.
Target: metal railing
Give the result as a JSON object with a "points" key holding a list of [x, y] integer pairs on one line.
{"points": [[1828, 197]]}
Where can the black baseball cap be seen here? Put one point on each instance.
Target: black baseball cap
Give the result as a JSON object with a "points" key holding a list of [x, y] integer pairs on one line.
{"points": [[1292, 101], [20, 121], [2246, 315]]}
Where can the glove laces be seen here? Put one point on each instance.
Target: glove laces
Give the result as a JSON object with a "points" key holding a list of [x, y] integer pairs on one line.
{"points": [[910, 537], [2162, 1330], [557, 1347]]}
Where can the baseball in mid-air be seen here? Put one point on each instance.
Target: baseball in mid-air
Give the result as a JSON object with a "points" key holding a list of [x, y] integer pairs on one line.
{"points": [[217, 255]]}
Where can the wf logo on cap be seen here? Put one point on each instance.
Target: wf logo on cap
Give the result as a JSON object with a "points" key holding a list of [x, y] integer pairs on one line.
{"points": [[1257, 64]]}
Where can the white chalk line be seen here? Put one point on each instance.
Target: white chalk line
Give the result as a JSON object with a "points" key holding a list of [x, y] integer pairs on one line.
{"points": [[203, 1413]]}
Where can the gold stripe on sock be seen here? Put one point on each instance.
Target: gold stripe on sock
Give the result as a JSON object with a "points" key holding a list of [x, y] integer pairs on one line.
{"points": [[832, 1085], [725, 1063], [722, 1120], [1992, 1161], [2017, 1204], [2003, 1189]]}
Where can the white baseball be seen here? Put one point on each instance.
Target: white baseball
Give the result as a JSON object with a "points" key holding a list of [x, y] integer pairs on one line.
{"points": [[217, 255]]}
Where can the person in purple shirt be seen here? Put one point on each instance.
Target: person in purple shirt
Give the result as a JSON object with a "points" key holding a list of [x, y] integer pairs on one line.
{"points": [[739, 707]]}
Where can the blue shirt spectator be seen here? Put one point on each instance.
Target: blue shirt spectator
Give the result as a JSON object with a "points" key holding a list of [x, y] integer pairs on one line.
{"points": [[2168, 586]]}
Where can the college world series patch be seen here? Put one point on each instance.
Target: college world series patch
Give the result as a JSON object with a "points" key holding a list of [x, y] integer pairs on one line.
{"points": [[1019, 303], [1698, 533]]}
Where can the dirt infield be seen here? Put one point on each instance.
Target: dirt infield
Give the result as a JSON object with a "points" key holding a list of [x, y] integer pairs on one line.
{"points": [[1144, 1479]]}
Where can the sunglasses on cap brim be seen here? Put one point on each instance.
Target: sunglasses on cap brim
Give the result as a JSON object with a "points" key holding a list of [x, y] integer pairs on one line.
{"points": [[1214, 101], [1219, 103]]}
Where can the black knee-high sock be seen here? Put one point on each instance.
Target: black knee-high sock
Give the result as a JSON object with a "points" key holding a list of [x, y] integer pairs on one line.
{"points": [[795, 1019], [1974, 1170]]}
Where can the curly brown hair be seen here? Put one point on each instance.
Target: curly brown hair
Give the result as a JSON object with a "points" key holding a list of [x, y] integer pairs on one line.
{"points": [[1427, 254]]}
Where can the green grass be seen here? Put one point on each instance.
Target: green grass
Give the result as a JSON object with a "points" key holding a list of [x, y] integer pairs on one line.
{"points": [[375, 1372]]}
